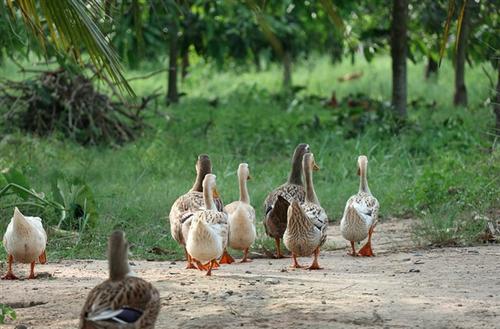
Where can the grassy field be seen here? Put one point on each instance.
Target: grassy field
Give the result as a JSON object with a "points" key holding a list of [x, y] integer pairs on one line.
{"points": [[442, 168]]}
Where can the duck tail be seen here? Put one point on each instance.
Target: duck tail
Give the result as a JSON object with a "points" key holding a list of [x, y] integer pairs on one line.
{"points": [[294, 210], [19, 220], [238, 213]]}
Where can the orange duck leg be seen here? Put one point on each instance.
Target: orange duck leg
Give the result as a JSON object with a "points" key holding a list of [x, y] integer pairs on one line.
{"points": [[367, 248], [315, 264], [10, 275]]}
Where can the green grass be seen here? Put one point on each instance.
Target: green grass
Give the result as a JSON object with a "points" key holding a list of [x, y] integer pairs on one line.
{"points": [[443, 160]]}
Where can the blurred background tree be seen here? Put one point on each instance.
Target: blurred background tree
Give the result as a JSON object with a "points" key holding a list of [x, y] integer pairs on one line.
{"points": [[258, 32]]}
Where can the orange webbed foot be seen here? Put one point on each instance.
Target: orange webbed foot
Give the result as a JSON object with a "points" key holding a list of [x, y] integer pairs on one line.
{"points": [[190, 260], [226, 258], [9, 276], [200, 266], [367, 248], [314, 266], [366, 251]]}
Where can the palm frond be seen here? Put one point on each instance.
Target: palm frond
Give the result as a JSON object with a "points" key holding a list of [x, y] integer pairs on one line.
{"points": [[459, 23], [265, 27], [72, 26], [332, 12], [451, 10]]}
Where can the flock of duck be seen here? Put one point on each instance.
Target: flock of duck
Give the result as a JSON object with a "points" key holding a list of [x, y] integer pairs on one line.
{"points": [[205, 228]]}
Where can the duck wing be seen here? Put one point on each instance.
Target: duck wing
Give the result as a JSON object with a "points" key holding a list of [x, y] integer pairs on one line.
{"points": [[129, 301], [276, 217], [366, 208]]}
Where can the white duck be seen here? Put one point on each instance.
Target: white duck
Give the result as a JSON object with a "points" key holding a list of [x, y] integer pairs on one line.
{"points": [[185, 205], [207, 236], [360, 214], [241, 216], [25, 241]]}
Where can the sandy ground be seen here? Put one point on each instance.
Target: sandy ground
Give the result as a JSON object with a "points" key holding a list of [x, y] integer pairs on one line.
{"points": [[405, 286]]}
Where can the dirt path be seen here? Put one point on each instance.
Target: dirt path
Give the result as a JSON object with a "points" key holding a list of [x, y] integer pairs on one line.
{"points": [[404, 287]]}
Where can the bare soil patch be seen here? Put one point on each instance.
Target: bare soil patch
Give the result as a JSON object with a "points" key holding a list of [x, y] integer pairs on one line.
{"points": [[404, 286]]}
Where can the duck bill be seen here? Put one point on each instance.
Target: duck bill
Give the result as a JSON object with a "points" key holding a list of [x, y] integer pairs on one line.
{"points": [[316, 167], [249, 177], [215, 193]]}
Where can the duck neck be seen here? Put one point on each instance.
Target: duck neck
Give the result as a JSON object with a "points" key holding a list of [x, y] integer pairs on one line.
{"points": [[208, 198], [198, 183], [363, 181], [295, 174], [118, 265], [244, 197], [310, 192]]}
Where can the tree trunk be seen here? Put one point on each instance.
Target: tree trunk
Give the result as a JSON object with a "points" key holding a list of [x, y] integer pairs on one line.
{"points": [[172, 94], [432, 68], [398, 53], [287, 71], [460, 97], [256, 61], [496, 105], [185, 64]]}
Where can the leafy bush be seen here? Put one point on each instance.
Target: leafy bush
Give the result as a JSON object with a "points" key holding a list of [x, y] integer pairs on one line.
{"points": [[6, 312]]}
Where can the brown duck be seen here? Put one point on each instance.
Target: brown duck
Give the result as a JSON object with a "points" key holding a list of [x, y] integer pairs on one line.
{"points": [[293, 190], [123, 300]]}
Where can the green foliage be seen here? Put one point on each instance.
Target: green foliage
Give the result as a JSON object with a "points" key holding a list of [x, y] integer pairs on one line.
{"points": [[73, 200], [78, 201], [6, 312], [241, 116], [14, 184], [448, 227], [65, 25], [14, 176]]}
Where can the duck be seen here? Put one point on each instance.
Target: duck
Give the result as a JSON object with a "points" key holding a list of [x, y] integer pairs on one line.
{"points": [[25, 241], [277, 202], [123, 300], [185, 206], [360, 214], [208, 234], [307, 221], [241, 217]]}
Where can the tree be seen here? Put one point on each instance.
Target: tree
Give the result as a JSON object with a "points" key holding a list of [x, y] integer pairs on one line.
{"points": [[398, 54], [496, 104], [173, 54], [460, 96], [426, 20]]}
